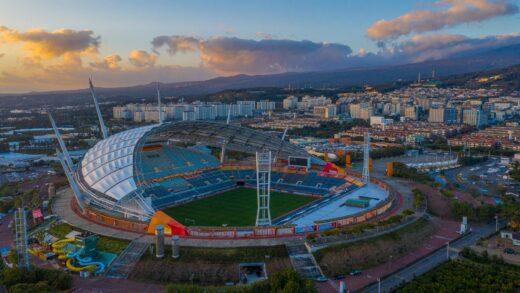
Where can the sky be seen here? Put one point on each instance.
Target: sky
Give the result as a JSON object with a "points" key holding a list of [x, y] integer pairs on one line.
{"points": [[53, 45]]}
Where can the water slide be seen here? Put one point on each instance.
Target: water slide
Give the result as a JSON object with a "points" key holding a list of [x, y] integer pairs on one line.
{"points": [[85, 262], [71, 267], [58, 247]]}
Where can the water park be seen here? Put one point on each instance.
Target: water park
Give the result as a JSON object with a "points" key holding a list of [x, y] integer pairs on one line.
{"points": [[78, 252]]}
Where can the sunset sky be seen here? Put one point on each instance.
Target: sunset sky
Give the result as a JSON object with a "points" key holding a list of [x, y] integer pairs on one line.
{"points": [[52, 45]]}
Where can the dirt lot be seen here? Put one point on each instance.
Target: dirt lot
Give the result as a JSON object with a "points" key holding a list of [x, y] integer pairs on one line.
{"points": [[207, 266], [496, 245]]}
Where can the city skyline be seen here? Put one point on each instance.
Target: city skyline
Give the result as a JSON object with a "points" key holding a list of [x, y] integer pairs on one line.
{"points": [[56, 45]]}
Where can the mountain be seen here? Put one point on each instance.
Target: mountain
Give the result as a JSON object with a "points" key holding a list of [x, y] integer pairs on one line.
{"points": [[478, 61]]}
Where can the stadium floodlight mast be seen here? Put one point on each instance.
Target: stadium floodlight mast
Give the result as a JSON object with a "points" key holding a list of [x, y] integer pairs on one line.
{"points": [[104, 129], [223, 149], [366, 158], [263, 186]]}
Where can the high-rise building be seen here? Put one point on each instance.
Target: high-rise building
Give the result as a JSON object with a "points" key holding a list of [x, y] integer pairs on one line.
{"points": [[221, 110], [205, 112], [355, 111], [245, 108], [451, 116], [121, 112], [189, 115], [290, 103], [424, 103], [139, 116], [366, 113], [342, 108], [265, 105], [474, 117], [436, 115], [325, 112], [411, 112]]}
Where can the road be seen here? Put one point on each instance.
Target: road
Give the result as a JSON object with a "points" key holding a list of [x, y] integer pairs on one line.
{"points": [[431, 261]]}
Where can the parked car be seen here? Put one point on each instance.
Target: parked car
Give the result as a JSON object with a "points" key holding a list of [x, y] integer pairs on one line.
{"points": [[339, 277], [509, 251], [355, 272]]}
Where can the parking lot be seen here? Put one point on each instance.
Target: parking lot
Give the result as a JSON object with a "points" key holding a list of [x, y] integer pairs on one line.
{"points": [[488, 178]]}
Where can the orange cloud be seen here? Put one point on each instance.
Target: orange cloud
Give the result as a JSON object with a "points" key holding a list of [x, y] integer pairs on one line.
{"points": [[140, 58], [176, 44], [110, 62], [48, 45], [456, 12]]}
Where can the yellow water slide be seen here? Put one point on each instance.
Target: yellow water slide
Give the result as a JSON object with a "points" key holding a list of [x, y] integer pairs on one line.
{"points": [[58, 247], [79, 269]]}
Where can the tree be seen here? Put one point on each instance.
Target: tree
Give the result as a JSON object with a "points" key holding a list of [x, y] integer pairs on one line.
{"points": [[462, 209]]}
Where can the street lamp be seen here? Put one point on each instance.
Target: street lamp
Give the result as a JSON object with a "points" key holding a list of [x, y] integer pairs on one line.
{"points": [[378, 285]]}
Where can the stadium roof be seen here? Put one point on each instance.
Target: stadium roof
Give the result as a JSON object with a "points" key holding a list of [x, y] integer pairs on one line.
{"points": [[108, 167], [235, 137]]}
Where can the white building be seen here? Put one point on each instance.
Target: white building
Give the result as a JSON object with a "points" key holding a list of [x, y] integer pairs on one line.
{"points": [[205, 112], [265, 105], [474, 117], [189, 115], [290, 103]]}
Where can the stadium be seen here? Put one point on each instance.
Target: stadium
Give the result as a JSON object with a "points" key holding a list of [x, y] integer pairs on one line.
{"points": [[171, 174]]}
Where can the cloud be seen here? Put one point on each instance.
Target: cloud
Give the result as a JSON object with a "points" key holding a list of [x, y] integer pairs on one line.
{"points": [[140, 58], [109, 62], [266, 36], [233, 55], [440, 46], [176, 44], [2, 55], [48, 45], [455, 12]]}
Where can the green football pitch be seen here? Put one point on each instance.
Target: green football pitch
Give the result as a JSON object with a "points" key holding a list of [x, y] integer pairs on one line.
{"points": [[234, 208]]}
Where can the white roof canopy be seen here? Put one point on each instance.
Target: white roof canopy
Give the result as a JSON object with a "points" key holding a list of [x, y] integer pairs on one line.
{"points": [[108, 166]]}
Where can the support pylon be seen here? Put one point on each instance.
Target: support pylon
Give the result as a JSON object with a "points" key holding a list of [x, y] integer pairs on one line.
{"points": [[366, 158], [263, 185]]}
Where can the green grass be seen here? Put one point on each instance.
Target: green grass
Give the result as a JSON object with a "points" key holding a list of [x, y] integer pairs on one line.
{"points": [[104, 243], [60, 231], [234, 208]]}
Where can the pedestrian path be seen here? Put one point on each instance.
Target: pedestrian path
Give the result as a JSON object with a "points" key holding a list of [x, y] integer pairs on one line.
{"points": [[125, 262], [303, 261]]}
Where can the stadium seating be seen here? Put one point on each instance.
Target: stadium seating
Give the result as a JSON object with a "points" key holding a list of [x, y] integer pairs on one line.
{"points": [[309, 183], [174, 175], [185, 189], [170, 160]]}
